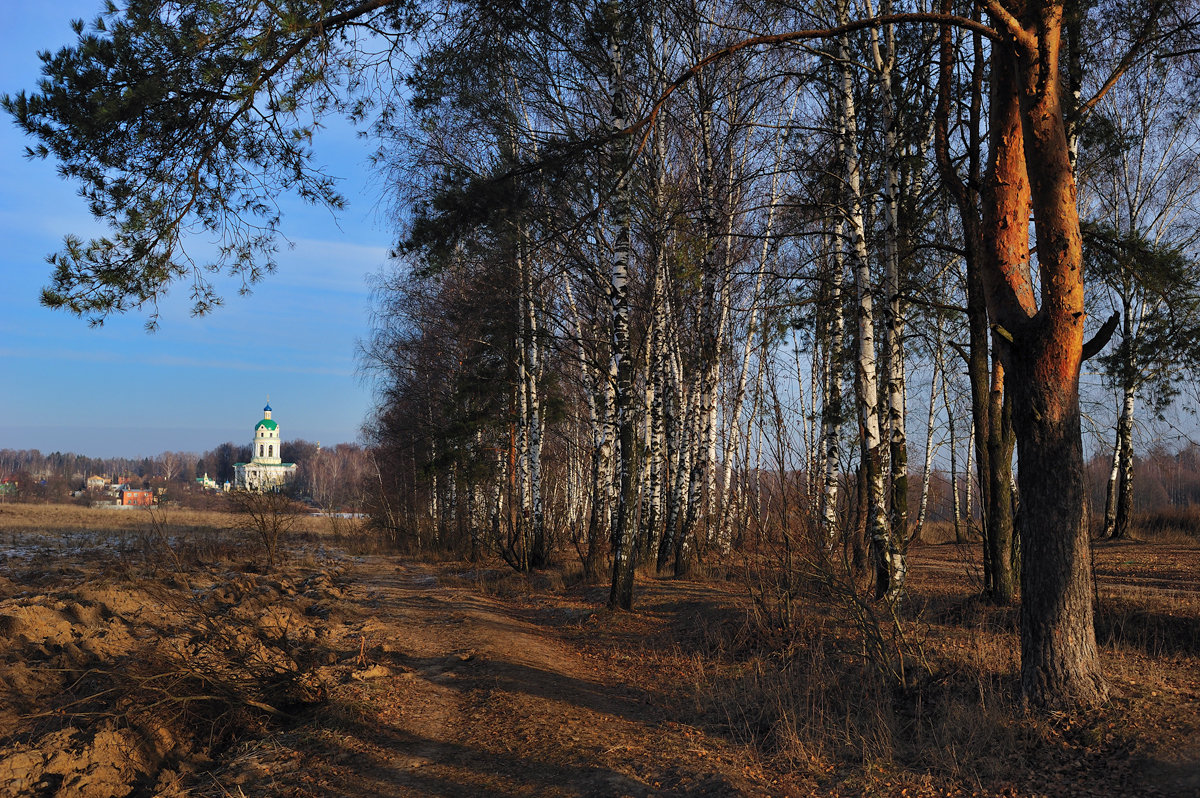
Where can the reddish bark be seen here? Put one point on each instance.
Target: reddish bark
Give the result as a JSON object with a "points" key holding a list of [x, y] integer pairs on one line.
{"points": [[1059, 659]]}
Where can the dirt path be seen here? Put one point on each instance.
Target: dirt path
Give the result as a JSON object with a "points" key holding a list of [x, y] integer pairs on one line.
{"points": [[458, 693]]}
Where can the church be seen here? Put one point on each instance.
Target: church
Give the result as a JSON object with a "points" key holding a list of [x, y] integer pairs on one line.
{"points": [[266, 469]]}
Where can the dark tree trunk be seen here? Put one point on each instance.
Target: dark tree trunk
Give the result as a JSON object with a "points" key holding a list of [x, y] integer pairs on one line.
{"points": [[1059, 659], [999, 510], [1123, 528], [595, 528]]}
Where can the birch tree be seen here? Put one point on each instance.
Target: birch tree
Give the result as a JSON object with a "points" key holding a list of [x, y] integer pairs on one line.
{"points": [[886, 555], [621, 594], [1140, 155]]}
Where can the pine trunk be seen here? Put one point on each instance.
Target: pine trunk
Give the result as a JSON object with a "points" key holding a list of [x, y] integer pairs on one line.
{"points": [[1030, 167], [999, 523]]}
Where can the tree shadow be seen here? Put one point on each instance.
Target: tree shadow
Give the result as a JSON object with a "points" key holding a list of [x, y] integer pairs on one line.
{"points": [[388, 761]]}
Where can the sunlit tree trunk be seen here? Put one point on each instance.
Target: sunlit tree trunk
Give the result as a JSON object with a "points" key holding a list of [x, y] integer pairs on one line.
{"points": [[522, 543], [1044, 353], [883, 55], [999, 511], [656, 389], [831, 410], [960, 533], [530, 365]]}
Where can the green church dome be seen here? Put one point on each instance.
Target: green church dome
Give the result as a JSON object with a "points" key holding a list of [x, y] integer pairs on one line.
{"points": [[268, 423]]}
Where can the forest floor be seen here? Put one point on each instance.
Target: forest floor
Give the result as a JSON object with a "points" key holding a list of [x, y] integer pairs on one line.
{"points": [[125, 672]]}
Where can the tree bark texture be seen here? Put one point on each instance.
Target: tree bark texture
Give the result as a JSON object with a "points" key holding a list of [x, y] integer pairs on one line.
{"points": [[1030, 168], [621, 593], [1000, 442]]}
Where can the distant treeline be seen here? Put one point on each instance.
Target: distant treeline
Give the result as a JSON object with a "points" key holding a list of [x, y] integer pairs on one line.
{"points": [[330, 476], [1167, 480]]}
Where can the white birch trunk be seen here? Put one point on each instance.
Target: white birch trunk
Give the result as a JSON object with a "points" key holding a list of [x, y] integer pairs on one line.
{"points": [[1124, 505], [930, 447], [657, 389], [831, 412], [968, 512], [621, 370], [523, 500], [675, 413], [956, 499], [497, 503], [888, 557], [1110, 500], [536, 421], [883, 56]]}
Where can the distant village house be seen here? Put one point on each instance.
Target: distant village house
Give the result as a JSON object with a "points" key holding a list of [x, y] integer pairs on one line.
{"points": [[137, 497]]}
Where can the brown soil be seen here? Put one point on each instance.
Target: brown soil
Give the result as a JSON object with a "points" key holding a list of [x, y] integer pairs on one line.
{"points": [[380, 676], [115, 683]]}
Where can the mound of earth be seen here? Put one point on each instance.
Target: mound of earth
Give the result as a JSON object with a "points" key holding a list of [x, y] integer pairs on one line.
{"points": [[116, 686]]}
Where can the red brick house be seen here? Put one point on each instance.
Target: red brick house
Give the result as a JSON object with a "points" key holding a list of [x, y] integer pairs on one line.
{"points": [[137, 497]]}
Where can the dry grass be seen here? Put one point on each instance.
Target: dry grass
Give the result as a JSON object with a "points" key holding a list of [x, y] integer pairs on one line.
{"points": [[1171, 524], [935, 533], [819, 706], [55, 519]]}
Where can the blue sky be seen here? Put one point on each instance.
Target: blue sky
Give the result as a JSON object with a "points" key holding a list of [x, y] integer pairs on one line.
{"points": [[196, 382]]}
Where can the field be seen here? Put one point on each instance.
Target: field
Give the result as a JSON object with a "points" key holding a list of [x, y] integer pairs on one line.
{"points": [[151, 655]]}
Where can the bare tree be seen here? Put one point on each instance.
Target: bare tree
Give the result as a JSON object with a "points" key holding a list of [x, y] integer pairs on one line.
{"points": [[269, 516]]}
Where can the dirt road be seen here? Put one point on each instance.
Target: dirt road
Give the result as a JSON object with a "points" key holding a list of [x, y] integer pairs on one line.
{"points": [[456, 693]]}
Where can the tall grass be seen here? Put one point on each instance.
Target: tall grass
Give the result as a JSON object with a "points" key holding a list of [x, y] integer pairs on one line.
{"points": [[1169, 524]]}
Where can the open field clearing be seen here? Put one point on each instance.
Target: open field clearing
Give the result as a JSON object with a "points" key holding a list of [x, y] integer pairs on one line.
{"points": [[132, 670]]}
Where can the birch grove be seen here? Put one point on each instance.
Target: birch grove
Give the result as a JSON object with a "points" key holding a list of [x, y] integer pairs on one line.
{"points": [[659, 275]]}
